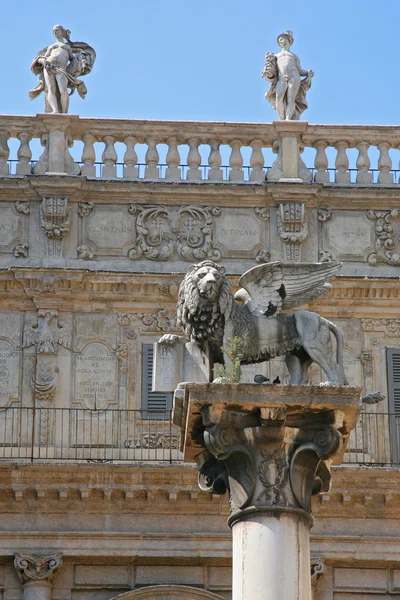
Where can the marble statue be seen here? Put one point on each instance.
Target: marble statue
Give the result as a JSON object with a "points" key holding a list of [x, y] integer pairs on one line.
{"points": [[59, 66], [287, 92], [210, 315]]}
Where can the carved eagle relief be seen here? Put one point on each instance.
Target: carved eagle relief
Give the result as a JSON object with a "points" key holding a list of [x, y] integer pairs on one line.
{"points": [[47, 333]]}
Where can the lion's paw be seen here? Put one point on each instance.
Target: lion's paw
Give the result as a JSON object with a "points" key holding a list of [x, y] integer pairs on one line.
{"points": [[170, 339], [328, 384], [221, 380]]}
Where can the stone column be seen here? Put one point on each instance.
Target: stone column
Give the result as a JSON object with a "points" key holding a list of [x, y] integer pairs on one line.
{"points": [[269, 448], [36, 573]]}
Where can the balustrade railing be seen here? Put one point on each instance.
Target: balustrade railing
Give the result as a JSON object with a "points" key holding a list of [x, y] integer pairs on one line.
{"points": [[30, 434], [199, 151]]}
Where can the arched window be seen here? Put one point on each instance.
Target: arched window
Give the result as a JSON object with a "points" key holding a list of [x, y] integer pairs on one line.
{"points": [[168, 592]]}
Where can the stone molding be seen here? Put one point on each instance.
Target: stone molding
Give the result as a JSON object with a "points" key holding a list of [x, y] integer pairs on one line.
{"points": [[34, 567]]}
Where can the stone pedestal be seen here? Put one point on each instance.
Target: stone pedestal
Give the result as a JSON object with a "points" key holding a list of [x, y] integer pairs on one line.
{"points": [[270, 447]]}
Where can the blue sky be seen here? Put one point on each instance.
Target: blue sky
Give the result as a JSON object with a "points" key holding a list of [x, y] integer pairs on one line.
{"points": [[176, 59]]}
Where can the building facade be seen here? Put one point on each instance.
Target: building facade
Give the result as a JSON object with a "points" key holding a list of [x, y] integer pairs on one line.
{"points": [[94, 241]]}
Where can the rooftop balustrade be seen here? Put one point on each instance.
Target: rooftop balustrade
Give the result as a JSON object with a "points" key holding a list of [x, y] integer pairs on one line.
{"points": [[40, 434], [190, 151]]}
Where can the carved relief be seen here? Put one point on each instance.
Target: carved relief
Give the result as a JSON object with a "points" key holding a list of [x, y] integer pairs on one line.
{"points": [[21, 250], [160, 232], [47, 333], [366, 361], [391, 327], [292, 228], [162, 320], [13, 229], [263, 256], [273, 472], [85, 208], [36, 567], [262, 213], [55, 220], [45, 384], [324, 256], [155, 441], [9, 373], [317, 571], [387, 237], [84, 252], [22, 207], [324, 214]]}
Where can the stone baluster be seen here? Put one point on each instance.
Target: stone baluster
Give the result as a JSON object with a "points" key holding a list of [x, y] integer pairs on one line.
{"points": [[384, 164], [236, 161], [321, 162], [88, 156], [363, 163], [257, 161], [24, 155], [215, 161], [36, 574], [194, 160], [109, 158], [131, 170], [152, 158], [172, 159], [342, 174], [4, 153]]}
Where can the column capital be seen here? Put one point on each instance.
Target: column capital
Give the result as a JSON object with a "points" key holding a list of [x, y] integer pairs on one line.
{"points": [[34, 568], [268, 446]]}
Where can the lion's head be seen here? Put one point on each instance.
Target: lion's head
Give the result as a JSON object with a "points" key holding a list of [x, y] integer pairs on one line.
{"points": [[204, 301]]}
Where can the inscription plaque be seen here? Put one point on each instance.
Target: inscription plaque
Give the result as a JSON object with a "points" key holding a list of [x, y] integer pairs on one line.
{"points": [[96, 372], [350, 235], [239, 233], [9, 373], [110, 229]]}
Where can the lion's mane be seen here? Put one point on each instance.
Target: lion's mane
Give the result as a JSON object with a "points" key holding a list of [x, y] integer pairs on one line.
{"points": [[200, 319]]}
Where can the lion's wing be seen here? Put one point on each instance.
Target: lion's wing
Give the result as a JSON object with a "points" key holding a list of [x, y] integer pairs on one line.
{"points": [[264, 286], [277, 286], [305, 282]]}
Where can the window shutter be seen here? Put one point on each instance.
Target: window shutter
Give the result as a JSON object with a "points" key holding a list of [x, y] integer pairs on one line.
{"points": [[393, 361], [153, 401]]}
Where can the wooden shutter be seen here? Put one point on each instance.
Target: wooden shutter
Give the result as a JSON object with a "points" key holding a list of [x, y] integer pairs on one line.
{"points": [[153, 401], [393, 361]]}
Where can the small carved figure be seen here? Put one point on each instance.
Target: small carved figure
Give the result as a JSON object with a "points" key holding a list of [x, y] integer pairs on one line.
{"points": [[287, 93], [59, 66], [209, 314]]}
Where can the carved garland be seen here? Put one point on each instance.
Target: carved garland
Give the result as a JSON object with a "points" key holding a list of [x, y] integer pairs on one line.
{"points": [[188, 232], [385, 243]]}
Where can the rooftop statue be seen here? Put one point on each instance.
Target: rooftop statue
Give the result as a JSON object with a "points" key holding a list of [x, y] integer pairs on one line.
{"points": [[59, 66], [287, 93], [208, 312]]}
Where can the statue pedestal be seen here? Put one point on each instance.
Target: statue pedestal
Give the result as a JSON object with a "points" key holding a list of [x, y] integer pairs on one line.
{"points": [[270, 447]]}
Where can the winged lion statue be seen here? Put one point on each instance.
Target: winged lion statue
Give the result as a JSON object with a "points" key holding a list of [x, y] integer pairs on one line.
{"points": [[209, 315]]}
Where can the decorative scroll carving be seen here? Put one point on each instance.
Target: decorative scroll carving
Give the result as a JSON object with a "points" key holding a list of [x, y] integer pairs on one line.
{"points": [[34, 567], [292, 228], [324, 256], [162, 320], [324, 214], [84, 252], [387, 244], [124, 319], [188, 231], [262, 213], [21, 250], [47, 333], [22, 207], [317, 571], [391, 327], [85, 208], [169, 289], [264, 256], [55, 219], [366, 361]]}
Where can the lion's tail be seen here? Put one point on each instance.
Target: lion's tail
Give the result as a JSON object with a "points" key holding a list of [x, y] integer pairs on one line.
{"points": [[339, 348]]}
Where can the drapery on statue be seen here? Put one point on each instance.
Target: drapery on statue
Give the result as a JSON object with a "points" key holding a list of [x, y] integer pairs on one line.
{"points": [[208, 312], [59, 66], [287, 93]]}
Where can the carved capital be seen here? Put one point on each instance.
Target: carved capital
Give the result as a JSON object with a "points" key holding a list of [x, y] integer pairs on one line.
{"points": [[33, 568], [271, 459]]}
